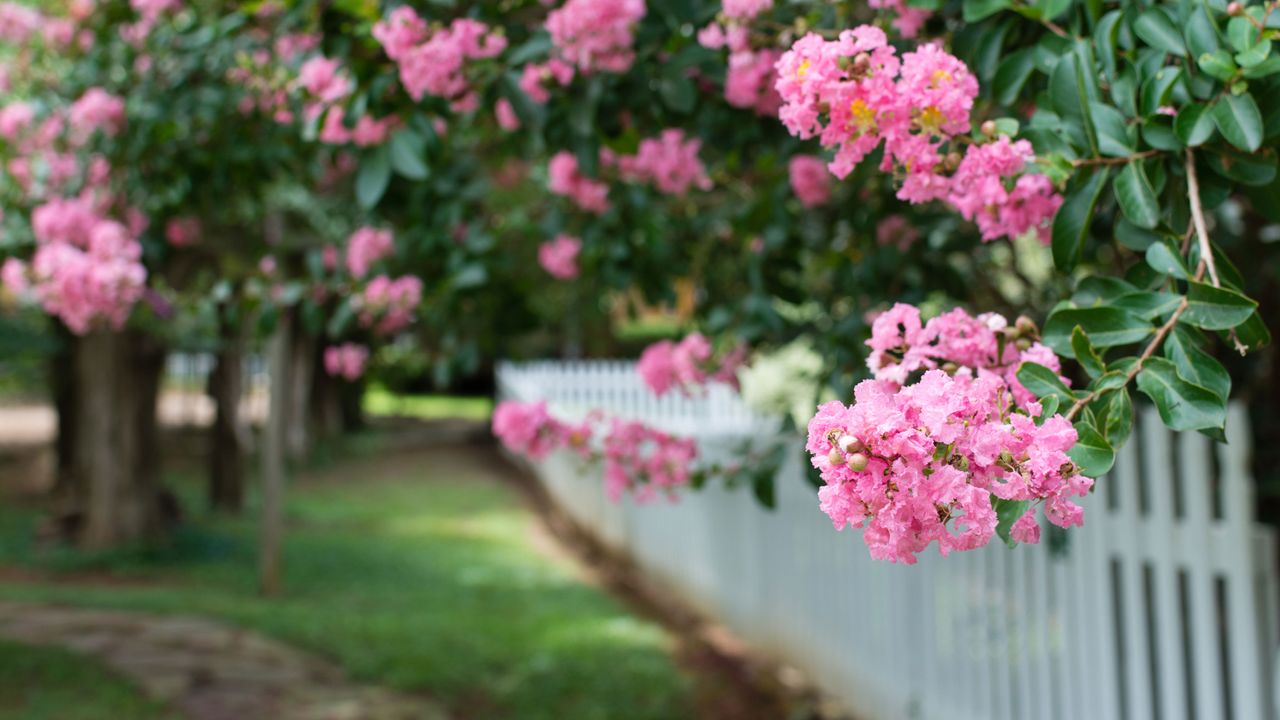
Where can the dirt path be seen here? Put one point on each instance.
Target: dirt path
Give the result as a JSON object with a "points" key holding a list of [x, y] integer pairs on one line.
{"points": [[210, 671]]}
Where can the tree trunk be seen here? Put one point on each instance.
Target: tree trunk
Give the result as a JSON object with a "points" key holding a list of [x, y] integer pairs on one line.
{"points": [[300, 349], [274, 438], [116, 437], [326, 400], [226, 445], [62, 386]]}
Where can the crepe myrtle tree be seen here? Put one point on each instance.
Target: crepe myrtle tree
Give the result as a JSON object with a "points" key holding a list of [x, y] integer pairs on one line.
{"points": [[133, 173], [1119, 135]]}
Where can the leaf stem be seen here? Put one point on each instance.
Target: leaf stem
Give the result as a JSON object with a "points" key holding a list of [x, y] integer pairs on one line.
{"points": [[1142, 359], [1085, 162]]}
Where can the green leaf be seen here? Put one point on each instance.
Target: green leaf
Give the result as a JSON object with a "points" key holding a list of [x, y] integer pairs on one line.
{"points": [[1091, 453], [1012, 75], [1157, 30], [373, 177], [1254, 333], [1104, 38], [1181, 404], [1043, 382], [678, 92], [1157, 88], [1239, 121], [1200, 34], [975, 10], [1134, 237], [1194, 364], [1242, 34], [1165, 260], [1106, 327], [1150, 305], [1157, 131], [407, 150], [1267, 67], [1007, 513], [1214, 308], [1085, 354], [1112, 131], [1218, 64], [1253, 169], [1119, 417], [1194, 124], [1255, 55], [1071, 225], [1136, 197]]}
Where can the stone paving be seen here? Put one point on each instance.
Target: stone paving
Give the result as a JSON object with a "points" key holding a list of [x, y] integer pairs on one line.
{"points": [[206, 670]]}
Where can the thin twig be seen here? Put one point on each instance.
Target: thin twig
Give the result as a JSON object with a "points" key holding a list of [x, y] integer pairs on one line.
{"points": [[1086, 162], [1197, 217], [1142, 359]]}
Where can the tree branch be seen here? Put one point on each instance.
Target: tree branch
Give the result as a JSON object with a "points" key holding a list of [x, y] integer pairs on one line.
{"points": [[1197, 217]]}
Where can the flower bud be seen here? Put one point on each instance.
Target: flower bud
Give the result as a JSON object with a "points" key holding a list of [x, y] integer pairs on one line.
{"points": [[952, 161], [849, 444], [989, 128], [835, 457], [1026, 326], [1023, 344], [857, 462], [1234, 9], [844, 62], [950, 368], [861, 63], [1006, 458]]}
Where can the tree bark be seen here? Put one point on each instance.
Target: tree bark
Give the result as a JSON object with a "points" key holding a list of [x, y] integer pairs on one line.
{"points": [[300, 363], [62, 386], [274, 439], [116, 438], [226, 442]]}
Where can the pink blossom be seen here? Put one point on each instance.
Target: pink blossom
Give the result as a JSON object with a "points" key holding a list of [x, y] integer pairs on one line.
{"points": [[183, 231], [909, 19], [526, 428], [323, 79], [749, 81], [810, 180], [15, 119], [688, 365], [346, 361], [334, 131], [506, 115], [365, 247], [596, 35], [96, 109], [559, 257], [980, 191], [896, 229], [370, 131], [18, 23], [565, 179], [535, 78], [387, 306], [669, 162], [745, 9], [434, 62]]}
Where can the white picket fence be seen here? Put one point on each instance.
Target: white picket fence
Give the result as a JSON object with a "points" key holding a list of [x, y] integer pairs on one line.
{"points": [[1162, 607]]}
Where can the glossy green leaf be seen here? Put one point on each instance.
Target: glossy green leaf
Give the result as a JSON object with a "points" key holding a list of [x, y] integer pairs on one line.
{"points": [[975, 10], [1085, 354], [1157, 88], [1162, 257], [1007, 513], [1071, 225], [1218, 64], [1091, 453], [373, 177], [1157, 30], [1194, 364], [1012, 75], [1150, 305], [1136, 197], [1043, 382], [1215, 308], [1106, 327], [1239, 121], [1182, 405], [1112, 131], [407, 150], [1194, 124], [1199, 33], [1119, 421]]}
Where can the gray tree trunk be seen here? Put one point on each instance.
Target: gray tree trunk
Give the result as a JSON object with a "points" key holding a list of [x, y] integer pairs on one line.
{"points": [[274, 439], [227, 446]]}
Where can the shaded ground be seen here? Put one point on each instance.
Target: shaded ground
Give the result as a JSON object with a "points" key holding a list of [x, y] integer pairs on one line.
{"points": [[209, 671], [48, 683], [408, 568]]}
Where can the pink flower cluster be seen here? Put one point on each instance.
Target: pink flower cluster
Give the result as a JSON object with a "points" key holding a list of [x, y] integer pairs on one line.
{"points": [[365, 247], [750, 75], [324, 80], [855, 93], [637, 458], [368, 130], [810, 180], [596, 35], [564, 178], [387, 305], [688, 365], [346, 361], [96, 109], [669, 162], [432, 62], [896, 229], [149, 14], [87, 269], [537, 77], [559, 257], [901, 345], [745, 9], [920, 463], [506, 116]]}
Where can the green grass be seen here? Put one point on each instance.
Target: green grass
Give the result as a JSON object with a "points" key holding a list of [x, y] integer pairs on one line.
{"points": [[415, 572], [379, 402], [39, 683]]}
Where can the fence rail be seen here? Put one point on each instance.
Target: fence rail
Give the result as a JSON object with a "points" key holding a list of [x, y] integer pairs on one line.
{"points": [[1162, 607]]}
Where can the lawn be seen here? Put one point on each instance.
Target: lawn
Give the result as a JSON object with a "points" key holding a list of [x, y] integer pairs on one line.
{"points": [[380, 402], [415, 571], [38, 683]]}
